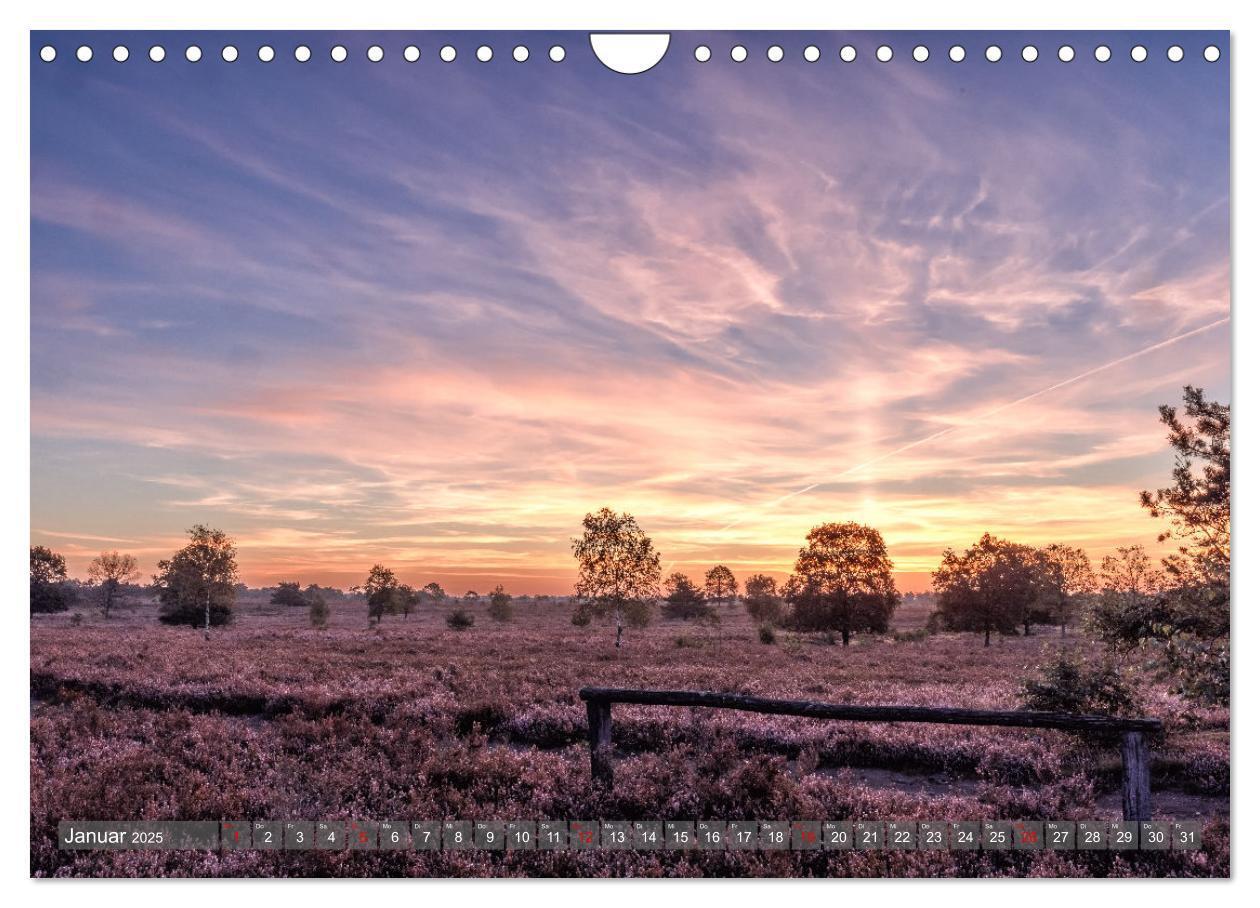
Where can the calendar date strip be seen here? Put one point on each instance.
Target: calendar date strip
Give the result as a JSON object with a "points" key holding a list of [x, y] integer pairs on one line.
{"points": [[630, 835]]}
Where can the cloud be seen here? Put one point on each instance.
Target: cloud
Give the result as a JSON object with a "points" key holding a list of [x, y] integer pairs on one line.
{"points": [[424, 321]]}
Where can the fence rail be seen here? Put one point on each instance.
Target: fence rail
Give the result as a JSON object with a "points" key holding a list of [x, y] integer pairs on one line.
{"points": [[1134, 751]]}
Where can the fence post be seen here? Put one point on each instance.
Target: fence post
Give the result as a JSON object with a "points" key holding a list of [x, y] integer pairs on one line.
{"points": [[599, 733], [1136, 792]]}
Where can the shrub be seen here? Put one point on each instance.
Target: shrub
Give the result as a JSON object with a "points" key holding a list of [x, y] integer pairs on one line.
{"points": [[913, 636], [482, 716], [1199, 667], [580, 618], [766, 634], [318, 610], [685, 642], [288, 593], [76, 619], [638, 613], [1065, 683], [500, 605], [459, 620], [52, 597]]}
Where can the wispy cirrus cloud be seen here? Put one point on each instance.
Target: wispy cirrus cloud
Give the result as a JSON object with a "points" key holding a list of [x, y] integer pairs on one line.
{"points": [[434, 319]]}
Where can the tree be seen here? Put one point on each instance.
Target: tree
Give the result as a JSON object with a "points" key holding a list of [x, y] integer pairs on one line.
{"points": [[318, 609], [500, 605], [197, 585], [46, 565], [50, 591], [1067, 578], [1196, 506], [1183, 615], [111, 570], [406, 598], [720, 585], [1127, 606], [471, 596], [987, 588], [1130, 575], [1197, 503], [288, 594], [618, 569], [842, 581], [761, 598], [434, 592], [683, 599], [380, 590]]}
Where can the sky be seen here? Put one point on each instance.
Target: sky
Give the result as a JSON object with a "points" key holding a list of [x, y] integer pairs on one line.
{"points": [[430, 314]]}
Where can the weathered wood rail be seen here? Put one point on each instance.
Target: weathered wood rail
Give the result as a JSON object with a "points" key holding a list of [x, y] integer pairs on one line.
{"points": [[1134, 752]]}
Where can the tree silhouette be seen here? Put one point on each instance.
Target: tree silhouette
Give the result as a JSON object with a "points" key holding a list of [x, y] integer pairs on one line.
{"points": [[1130, 604], [683, 599], [720, 585], [1196, 506], [50, 591], [1185, 615], [318, 609], [197, 585], [288, 593], [111, 570], [842, 581], [1197, 502], [380, 589], [500, 605], [406, 598], [761, 598], [1066, 578], [618, 570], [989, 587]]}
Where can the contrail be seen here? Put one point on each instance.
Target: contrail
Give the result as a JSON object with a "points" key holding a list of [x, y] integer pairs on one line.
{"points": [[983, 416]]}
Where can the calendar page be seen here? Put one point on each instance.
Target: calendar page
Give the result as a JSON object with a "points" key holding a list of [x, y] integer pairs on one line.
{"points": [[675, 454]]}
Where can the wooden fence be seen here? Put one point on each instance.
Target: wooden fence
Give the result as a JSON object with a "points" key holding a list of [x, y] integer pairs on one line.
{"points": [[1134, 753]]}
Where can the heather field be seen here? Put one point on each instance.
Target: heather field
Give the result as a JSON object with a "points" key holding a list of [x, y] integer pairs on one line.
{"points": [[273, 720]]}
